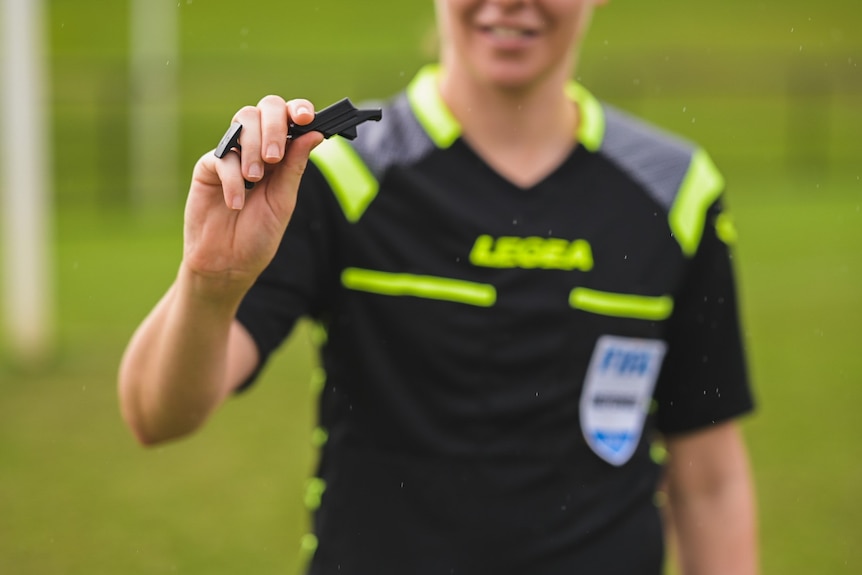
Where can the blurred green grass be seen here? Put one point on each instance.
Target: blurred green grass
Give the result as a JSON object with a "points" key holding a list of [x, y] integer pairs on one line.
{"points": [[771, 89]]}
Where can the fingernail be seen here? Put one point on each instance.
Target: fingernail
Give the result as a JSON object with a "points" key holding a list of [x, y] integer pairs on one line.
{"points": [[272, 152], [255, 171], [237, 201], [302, 110]]}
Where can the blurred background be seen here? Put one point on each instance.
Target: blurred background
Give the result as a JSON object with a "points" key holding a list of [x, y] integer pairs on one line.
{"points": [[135, 92]]}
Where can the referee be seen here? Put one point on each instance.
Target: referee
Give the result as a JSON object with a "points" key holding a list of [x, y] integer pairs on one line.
{"points": [[529, 307]]}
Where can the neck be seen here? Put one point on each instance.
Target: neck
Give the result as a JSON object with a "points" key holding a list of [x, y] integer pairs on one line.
{"points": [[531, 114], [523, 133]]}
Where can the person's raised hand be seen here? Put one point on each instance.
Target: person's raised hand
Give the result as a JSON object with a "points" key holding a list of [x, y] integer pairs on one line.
{"points": [[232, 233]]}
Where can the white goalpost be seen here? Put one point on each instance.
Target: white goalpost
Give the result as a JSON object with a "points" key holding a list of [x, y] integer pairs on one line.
{"points": [[25, 200], [153, 68], [26, 207]]}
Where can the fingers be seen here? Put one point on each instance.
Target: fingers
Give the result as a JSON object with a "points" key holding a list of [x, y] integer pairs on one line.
{"points": [[264, 132], [273, 128], [263, 141], [259, 136], [300, 111], [232, 180]]}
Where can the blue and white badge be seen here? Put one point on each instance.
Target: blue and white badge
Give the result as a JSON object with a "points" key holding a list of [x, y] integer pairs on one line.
{"points": [[617, 394]]}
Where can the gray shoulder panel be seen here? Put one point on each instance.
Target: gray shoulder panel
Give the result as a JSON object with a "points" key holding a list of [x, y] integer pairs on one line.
{"points": [[397, 138], [656, 159]]}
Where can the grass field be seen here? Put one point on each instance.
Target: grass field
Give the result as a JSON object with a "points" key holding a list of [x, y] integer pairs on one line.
{"points": [[77, 496]]}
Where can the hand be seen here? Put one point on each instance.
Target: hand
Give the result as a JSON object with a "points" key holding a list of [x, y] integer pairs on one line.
{"points": [[231, 234]]}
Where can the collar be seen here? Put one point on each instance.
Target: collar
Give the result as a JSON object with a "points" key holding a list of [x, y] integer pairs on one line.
{"points": [[443, 129]]}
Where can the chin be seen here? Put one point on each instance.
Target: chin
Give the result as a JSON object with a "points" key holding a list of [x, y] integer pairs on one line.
{"points": [[509, 77]]}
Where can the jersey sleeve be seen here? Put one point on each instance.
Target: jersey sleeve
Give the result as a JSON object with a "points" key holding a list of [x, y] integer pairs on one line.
{"points": [[705, 377], [295, 282]]}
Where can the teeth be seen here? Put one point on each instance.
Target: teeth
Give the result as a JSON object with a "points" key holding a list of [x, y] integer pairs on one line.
{"points": [[506, 32]]}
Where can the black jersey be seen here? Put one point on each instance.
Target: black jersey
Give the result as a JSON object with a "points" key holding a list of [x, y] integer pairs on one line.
{"points": [[498, 359]]}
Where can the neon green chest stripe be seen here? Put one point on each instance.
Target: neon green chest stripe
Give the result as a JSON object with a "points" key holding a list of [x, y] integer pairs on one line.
{"points": [[700, 187], [430, 287], [621, 305], [351, 181]]}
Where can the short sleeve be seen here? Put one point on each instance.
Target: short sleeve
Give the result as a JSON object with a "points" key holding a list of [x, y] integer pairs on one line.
{"points": [[705, 378]]}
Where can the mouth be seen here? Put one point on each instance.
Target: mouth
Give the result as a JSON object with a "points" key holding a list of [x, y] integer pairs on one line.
{"points": [[508, 32]]}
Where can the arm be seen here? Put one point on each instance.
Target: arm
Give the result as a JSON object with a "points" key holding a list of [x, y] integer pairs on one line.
{"points": [[190, 352], [182, 362], [711, 500]]}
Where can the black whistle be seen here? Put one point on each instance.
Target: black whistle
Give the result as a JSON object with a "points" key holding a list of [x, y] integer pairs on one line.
{"points": [[339, 118]]}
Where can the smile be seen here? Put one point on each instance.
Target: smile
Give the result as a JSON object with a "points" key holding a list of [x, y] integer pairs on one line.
{"points": [[505, 32]]}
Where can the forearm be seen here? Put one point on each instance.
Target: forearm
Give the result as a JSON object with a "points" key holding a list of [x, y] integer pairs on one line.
{"points": [[712, 504], [177, 367], [716, 534]]}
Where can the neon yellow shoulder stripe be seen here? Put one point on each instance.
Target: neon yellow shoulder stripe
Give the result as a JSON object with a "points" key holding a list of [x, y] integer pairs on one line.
{"points": [[350, 179], [621, 305], [430, 287], [425, 101], [700, 187], [591, 124]]}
